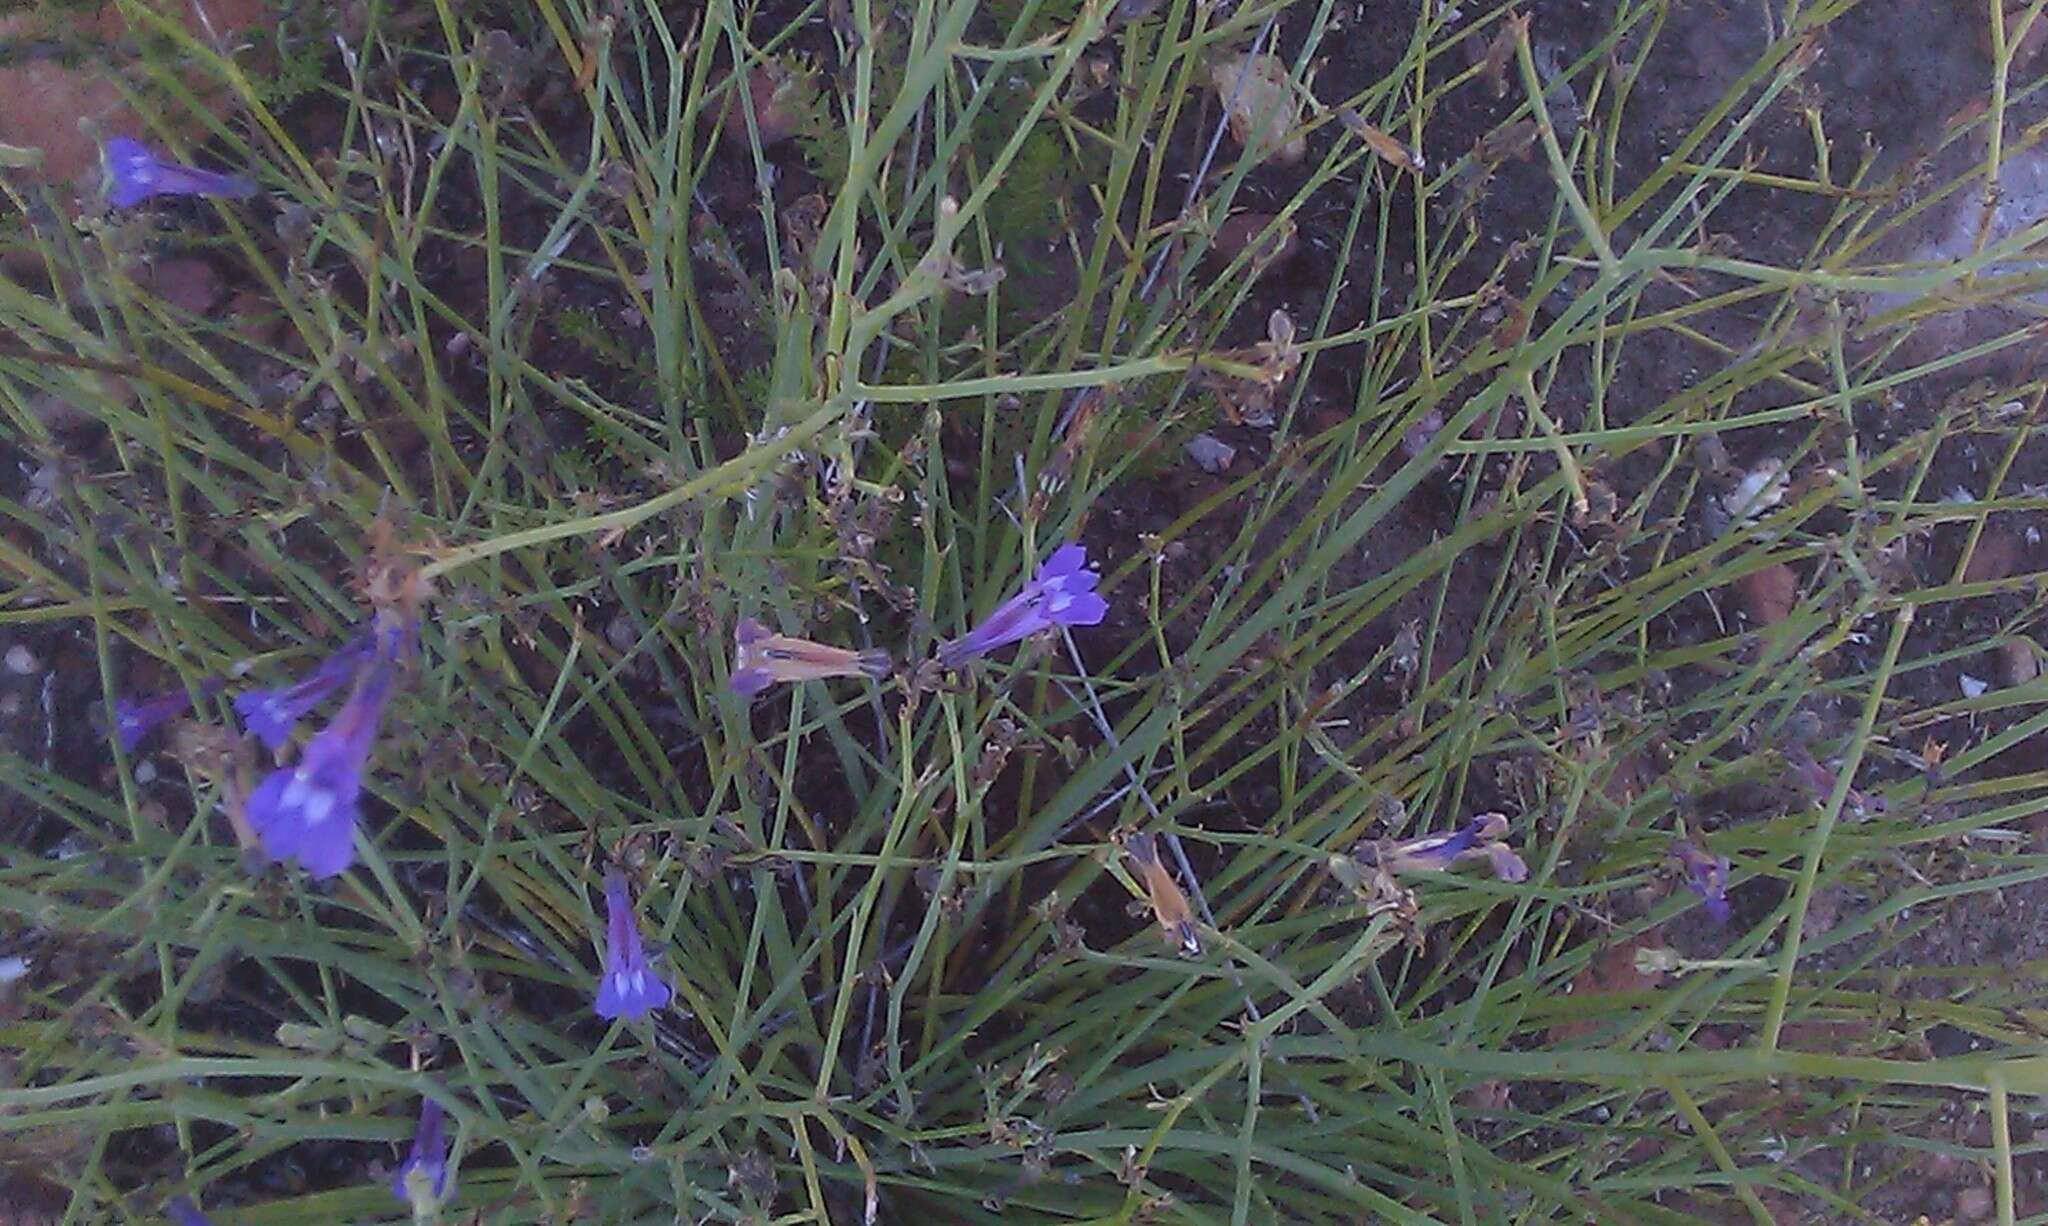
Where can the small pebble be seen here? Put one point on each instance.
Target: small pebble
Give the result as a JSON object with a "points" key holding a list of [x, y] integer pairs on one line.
{"points": [[1974, 1204], [145, 772], [1210, 454], [21, 661], [2019, 661], [1760, 489]]}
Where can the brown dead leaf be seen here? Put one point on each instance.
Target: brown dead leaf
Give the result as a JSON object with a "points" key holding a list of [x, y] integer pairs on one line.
{"points": [[1769, 595], [1389, 149], [1262, 106], [1493, 63]]}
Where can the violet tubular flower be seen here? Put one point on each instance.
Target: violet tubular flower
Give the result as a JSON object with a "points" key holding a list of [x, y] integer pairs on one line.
{"points": [[136, 718], [182, 1212], [135, 173], [1705, 875], [1062, 593], [630, 988], [1436, 853], [422, 1179], [761, 658], [271, 714], [306, 812]]}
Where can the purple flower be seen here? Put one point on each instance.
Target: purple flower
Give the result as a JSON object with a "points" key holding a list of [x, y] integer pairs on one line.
{"points": [[630, 989], [306, 812], [182, 1212], [135, 173], [1705, 875], [1430, 853], [747, 682], [135, 718], [1436, 853], [423, 1177], [271, 714], [761, 658], [1062, 593]]}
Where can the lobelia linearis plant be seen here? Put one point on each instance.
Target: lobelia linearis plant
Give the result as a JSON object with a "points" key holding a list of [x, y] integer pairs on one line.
{"points": [[885, 971]]}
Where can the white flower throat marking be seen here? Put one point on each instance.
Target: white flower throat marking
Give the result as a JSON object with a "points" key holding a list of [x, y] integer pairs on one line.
{"points": [[312, 800]]}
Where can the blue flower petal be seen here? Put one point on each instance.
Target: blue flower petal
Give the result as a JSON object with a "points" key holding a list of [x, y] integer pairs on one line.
{"points": [[327, 848], [136, 718], [429, 1156], [182, 1212], [629, 988], [1087, 609], [277, 831], [268, 715], [1066, 560], [271, 714], [135, 173]]}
